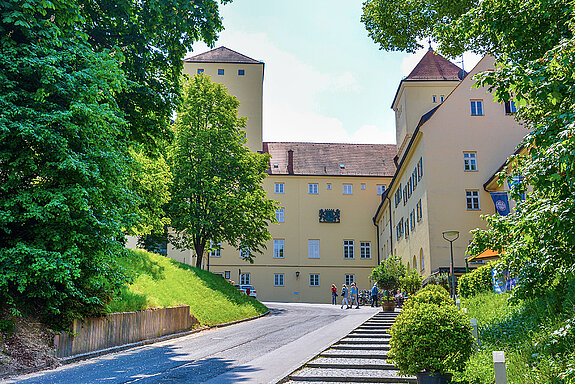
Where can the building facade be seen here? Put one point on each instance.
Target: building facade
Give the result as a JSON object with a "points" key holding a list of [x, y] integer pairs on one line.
{"points": [[326, 192], [447, 154]]}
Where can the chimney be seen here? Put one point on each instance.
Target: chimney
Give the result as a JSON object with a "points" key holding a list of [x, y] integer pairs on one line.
{"points": [[290, 162]]}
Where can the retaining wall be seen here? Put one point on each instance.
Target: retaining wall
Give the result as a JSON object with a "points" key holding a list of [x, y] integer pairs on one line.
{"points": [[98, 333]]}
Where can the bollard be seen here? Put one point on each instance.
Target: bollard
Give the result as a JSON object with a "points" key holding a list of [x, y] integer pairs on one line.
{"points": [[499, 365], [475, 333], [458, 303]]}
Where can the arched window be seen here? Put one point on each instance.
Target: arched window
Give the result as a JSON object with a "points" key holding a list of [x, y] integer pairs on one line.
{"points": [[421, 259], [414, 263], [408, 268]]}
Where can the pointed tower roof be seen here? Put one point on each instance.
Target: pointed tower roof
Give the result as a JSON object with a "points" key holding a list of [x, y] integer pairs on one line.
{"points": [[433, 66], [221, 55]]}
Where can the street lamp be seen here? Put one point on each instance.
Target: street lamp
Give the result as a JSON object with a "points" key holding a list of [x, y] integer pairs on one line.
{"points": [[451, 236]]}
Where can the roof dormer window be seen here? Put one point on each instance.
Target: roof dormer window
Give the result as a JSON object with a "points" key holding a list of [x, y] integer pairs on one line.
{"points": [[342, 166]]}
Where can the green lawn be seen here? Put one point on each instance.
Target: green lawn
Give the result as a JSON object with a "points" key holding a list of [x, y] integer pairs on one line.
{"points": [[162, 282], [538, 337]]}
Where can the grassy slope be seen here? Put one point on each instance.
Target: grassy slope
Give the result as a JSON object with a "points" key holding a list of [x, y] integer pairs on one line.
{"points": [[161, 282], [538, 346]]}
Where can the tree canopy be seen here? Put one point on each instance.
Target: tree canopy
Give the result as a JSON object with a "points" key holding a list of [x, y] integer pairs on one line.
{"points": [[86, 90], [217, 193], [533, 43]]}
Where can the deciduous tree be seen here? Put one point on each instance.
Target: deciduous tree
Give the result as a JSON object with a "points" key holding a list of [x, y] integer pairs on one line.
{"points": [[534, 48], [217, 193]]}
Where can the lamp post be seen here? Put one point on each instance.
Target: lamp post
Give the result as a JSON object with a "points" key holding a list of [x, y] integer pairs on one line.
{"points": [[451, 236]]}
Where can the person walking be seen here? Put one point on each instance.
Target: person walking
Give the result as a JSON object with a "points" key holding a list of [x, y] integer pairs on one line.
{"points": [[374, 295], [333, 294], [354, 295], [344, 294]]}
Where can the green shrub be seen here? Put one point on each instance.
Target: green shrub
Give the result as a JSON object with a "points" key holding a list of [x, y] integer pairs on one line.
{"points": [[476, 281], [411, 282], [388, 273], [439, 289], [429, 296], [441, 279], [430, 337]]}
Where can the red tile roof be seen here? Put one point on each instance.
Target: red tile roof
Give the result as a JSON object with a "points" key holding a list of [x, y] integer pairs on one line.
{"points": [[433, 66], [324, 159], [221, 55]]}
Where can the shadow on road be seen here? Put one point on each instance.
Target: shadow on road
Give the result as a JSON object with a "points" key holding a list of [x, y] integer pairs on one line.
{"points": [[144, 365]]}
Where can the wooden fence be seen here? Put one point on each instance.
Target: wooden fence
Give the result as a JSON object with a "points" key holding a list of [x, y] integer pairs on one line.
{"points": [[97, 333]]}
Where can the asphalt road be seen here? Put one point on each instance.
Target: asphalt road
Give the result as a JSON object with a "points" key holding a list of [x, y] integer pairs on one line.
{"points": [[260, 351]]}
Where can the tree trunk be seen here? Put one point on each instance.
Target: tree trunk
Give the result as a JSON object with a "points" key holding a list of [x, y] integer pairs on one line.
{"points": [[199, 254]]}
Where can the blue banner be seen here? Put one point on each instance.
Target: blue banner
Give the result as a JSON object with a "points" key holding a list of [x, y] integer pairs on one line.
{"points": [[501, 281], [514, 181], [501, 202]]}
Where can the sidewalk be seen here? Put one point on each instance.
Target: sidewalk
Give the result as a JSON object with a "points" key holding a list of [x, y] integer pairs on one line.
{"points": [[274, 366]]}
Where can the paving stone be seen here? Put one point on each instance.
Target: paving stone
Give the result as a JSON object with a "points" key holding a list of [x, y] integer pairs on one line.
{"points": [[351, 375], [349, 362], [365, 354], [361, 346], [351, 340]]}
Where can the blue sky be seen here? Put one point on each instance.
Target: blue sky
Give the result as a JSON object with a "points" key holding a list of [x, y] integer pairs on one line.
{"points": [[325, 80]]}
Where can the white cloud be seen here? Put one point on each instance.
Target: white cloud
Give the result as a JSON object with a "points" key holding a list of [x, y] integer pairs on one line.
{"points": [[371, 134], [291, 91]]}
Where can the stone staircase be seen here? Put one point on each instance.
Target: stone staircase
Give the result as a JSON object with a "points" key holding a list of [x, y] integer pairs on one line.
{"points": [[360, 357]]}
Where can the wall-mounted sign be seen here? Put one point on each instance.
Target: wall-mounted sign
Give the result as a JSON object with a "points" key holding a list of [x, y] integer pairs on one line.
{"points": [[329, 215]]}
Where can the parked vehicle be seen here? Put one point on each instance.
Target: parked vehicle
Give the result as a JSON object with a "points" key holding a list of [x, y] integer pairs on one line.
{"points": [[364, 297], [245, 287]]}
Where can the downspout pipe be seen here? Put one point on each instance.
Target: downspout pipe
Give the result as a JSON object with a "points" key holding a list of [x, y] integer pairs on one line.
{"points": [[390, 225]]}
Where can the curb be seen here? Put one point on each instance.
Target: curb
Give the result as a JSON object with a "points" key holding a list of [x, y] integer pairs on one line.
{"points": [[101, 352]]}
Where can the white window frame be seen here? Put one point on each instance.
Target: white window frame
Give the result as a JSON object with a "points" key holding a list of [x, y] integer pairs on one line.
{"points": [[314, 280], [470, 161], [279, 188], [216, 252], [227, 274], [348, 249], [419, 211], [245, 278], [472, 200], [348, 189], [313, 249], [280, 215], [243, 252], [313, 188], [510, 107], [279, 280], [279, 248], [365, 249], [349, 278], [476, 107]]}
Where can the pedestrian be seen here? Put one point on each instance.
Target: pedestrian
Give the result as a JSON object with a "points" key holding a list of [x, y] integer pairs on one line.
{"points": [[374, 295], [333, 294], [399, 299], [344, 294], [354, 296]]}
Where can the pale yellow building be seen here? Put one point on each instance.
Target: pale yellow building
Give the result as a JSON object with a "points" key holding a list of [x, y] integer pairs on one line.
{"points": [[243, 77], [327, 193], [451, 139]]}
